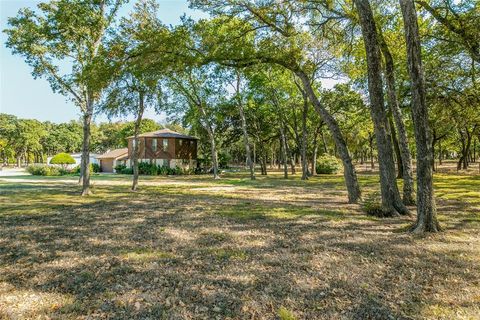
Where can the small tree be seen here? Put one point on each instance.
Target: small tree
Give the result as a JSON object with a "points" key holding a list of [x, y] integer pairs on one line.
{"points": [[198, 93], [70, 32], [133, 88], [63, 159]]}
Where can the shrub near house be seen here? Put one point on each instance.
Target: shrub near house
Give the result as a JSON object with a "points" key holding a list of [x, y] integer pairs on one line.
{"points": [[63, 159], [151, 169], [43, 170], [60, 164]]}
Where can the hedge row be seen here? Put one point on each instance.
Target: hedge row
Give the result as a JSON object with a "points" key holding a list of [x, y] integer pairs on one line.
{"points": [[46, 170], [151, 169]]}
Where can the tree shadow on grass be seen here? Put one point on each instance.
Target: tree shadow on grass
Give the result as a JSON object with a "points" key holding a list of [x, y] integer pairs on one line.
{"points": [[154, 255]]}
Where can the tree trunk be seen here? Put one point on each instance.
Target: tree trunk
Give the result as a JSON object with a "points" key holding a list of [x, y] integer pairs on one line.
{"points": [[474, 156], [136, 149], [426, 209], [292, 162], [272, 159], [263, 164], [370, 145], [460, 161], [254, 156], [280, 153], [465, 139], [285, 152], [440, 152], [434, 141], [324, 141], [405, 159], [213, 149], [304, 137], [244, 129], [246, 143], [211, 135], [391, 200], [315, 152], [290, 153], [353, 188], [85, 163], [467, 149], [396, 148]]}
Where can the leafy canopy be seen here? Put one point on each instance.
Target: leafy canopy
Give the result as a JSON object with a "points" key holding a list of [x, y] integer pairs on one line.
{"points": [[62, 158]]}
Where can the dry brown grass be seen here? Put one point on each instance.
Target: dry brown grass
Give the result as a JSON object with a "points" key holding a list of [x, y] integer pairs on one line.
{"points": [[191, 248]]}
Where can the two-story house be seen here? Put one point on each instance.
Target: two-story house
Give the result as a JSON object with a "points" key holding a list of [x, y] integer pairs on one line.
{"points": [[163, 147]]}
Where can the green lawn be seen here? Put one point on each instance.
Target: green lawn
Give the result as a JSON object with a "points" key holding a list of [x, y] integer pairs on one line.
{"points": [[194, 248]]}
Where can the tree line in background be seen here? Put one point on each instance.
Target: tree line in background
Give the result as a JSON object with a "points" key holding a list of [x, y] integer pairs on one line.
{"points": [[28, 141], [247, 80]]}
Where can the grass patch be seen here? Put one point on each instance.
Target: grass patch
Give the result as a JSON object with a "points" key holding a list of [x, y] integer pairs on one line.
{"points": [[256, 211], [285, 314], [228, 254], [193, 248], [146, 255]]}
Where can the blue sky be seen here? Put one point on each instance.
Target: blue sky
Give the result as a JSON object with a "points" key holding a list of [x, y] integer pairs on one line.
{"points": [[25, 97]]}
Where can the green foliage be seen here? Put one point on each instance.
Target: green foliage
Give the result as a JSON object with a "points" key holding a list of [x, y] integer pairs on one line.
{"points": [[285, 314], [151, 169], [146, 168], [94, 167], [327, 164], [120, 167], [63, 137], [64, 171], [228, 254], [20, 137], [223, 160], [128, 130], [63, 159], [372, 204], [126, 171], [44, 170], [162, 170], [352, 115]]}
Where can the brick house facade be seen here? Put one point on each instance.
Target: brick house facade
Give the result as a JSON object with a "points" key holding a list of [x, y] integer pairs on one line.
{"points": [[163, 147]]}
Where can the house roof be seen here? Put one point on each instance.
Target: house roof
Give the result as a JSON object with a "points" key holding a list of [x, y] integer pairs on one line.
{"points": [[164, 133], [114, 154]]}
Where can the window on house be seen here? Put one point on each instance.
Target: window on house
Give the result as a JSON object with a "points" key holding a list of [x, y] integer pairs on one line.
{"points": [[154, 145], [165, 144], [136, 142], [165, 163]]}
